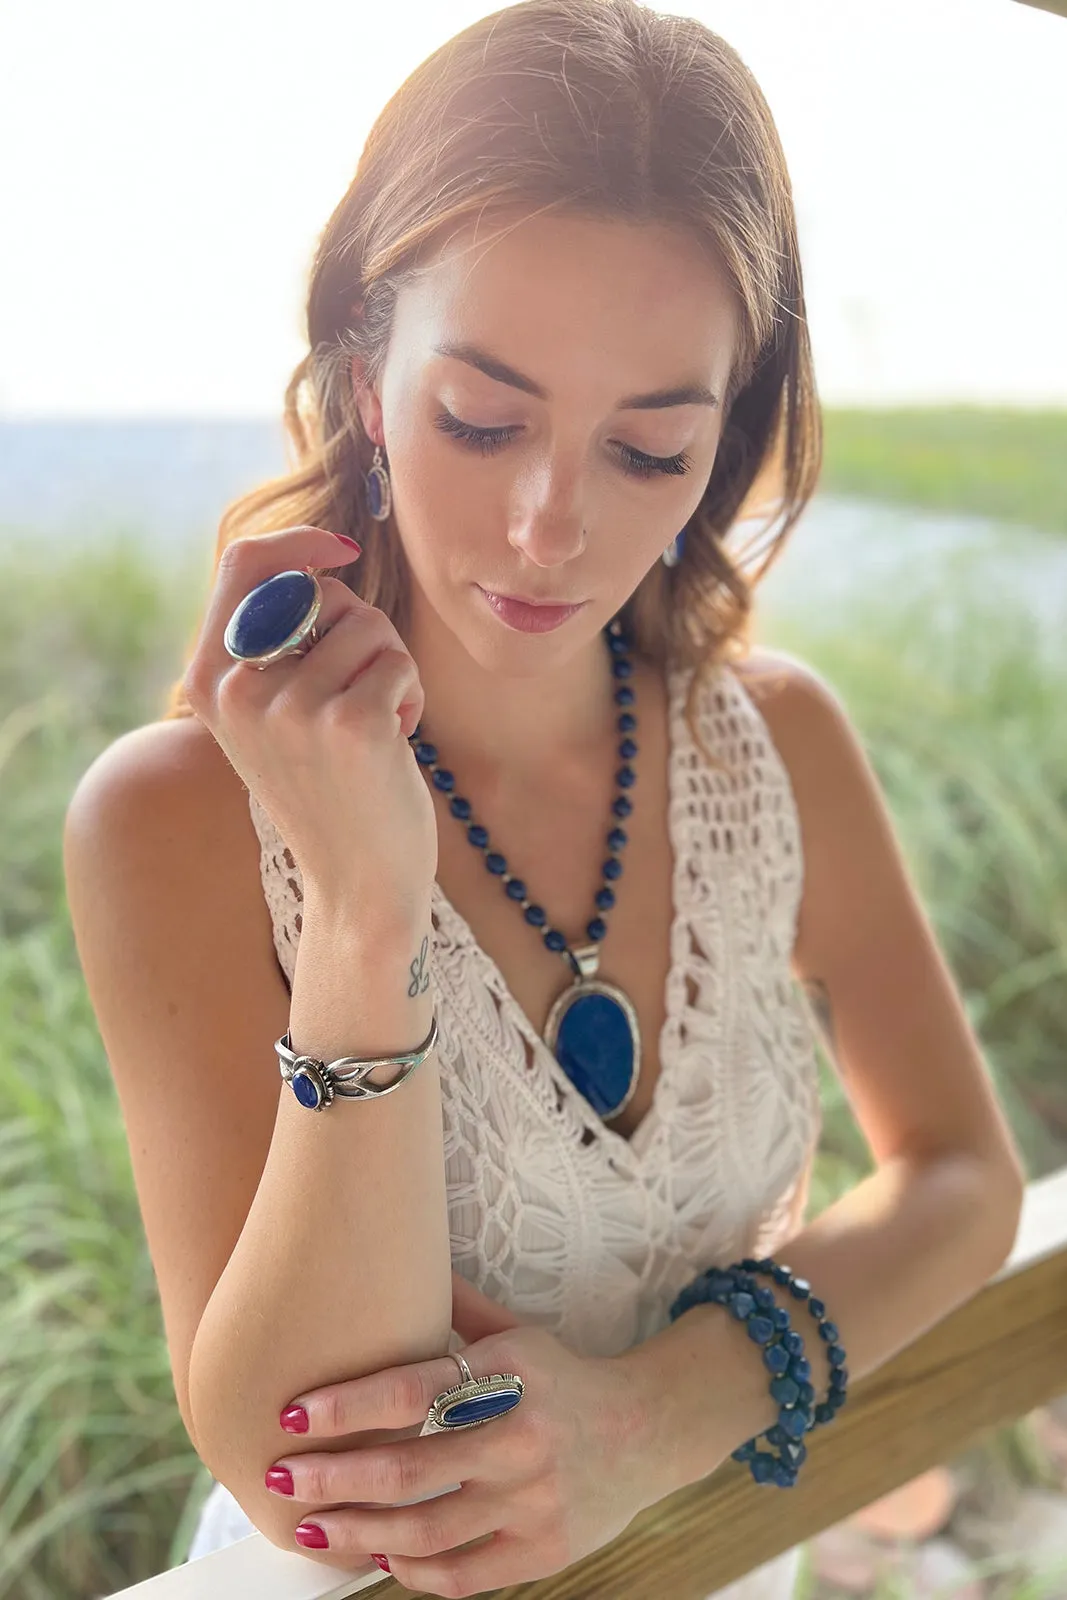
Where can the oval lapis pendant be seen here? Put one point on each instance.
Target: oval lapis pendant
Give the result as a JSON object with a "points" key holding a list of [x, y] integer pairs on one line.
{"points": [[594, 1033], [468, 1404]]}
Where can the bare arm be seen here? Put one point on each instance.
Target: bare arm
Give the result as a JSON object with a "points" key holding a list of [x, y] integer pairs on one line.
{"points": [[342, 1266], [291, 1248], [925, 1231]]}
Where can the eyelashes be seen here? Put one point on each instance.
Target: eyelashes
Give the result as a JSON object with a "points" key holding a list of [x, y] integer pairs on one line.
{"points": [[489, 440]]}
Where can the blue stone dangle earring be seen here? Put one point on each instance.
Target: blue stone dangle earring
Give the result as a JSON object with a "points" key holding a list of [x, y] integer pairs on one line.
{"points": [[379, 489], [673, 553]]}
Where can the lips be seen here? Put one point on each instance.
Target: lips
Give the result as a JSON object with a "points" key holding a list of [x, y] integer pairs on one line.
{"points": [[520, 599], [527, 617]]}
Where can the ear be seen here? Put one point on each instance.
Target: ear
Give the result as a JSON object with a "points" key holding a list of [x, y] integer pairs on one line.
{"points": [[367, 402]]}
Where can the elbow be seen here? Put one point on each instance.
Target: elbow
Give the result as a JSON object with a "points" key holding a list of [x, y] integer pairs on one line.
{"points": [[1001, 1191], [235, 1447], [237, 1434], [235, 1439], [984, 1192]]}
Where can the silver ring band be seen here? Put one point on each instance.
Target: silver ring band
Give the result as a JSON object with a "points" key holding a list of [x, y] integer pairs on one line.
{"points": [[304, 648], [468, 1375]]}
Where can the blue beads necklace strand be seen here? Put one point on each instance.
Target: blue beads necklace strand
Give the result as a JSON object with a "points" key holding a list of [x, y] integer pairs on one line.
{"points": [[592, 1028]]}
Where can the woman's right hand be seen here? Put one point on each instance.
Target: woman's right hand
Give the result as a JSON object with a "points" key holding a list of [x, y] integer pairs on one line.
{"points": [[321, 740]]}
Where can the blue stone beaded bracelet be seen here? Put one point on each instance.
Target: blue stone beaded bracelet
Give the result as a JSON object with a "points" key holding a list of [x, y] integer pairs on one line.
{"points": [[769, 1326], [800, 1289]]}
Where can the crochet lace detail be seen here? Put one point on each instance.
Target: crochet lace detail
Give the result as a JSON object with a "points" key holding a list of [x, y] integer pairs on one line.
{"points": [[553, 1213]]}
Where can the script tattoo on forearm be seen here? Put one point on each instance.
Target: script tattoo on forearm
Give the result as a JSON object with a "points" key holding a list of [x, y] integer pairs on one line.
{"points": [[819, 995], [420, 978]]}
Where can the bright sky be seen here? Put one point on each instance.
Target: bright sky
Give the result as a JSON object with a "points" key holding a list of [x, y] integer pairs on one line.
{"points": [[166, 171]]}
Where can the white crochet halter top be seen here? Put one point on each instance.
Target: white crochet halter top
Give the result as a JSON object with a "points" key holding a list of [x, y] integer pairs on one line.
{"points": [[553, 1213]]}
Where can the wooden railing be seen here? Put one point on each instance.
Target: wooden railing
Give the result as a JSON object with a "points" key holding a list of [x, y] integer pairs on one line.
{"points": [[990, 1361], [1058, 7]]}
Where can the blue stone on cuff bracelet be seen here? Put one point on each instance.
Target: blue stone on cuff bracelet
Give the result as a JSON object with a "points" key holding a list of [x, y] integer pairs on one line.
{"points": [[309, 1087]]}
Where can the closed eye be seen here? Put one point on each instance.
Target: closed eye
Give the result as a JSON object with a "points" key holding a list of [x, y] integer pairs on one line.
{"points": [[489, 440]]}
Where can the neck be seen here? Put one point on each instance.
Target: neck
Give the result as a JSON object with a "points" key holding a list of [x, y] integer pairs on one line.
{"points": [[506, 726]]}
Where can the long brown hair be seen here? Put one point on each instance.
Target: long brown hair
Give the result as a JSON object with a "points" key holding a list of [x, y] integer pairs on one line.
{"points": [[607, 109]]}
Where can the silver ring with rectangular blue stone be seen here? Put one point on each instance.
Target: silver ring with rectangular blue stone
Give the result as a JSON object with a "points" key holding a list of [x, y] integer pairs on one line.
{"points": [[474, 1401]]}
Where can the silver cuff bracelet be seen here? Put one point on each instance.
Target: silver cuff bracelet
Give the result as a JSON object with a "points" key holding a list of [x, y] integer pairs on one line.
{"points": [[316, 1083]]}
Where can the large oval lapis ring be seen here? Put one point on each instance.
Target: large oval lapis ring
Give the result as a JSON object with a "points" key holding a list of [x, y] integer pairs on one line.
{"points": [[275, 619], [472, 1402]]}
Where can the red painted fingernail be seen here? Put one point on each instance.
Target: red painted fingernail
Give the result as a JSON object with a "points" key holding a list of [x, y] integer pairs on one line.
{"points": [[311, 1536], [381, 1562], [279, 1480], [294, 1419], [358, 548]]}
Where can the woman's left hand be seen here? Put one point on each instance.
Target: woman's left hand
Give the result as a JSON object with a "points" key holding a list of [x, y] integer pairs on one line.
{"points": [[558, 1476]]}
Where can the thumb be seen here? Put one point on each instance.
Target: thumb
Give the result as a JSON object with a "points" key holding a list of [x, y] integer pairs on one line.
{"points": [[474, 1315]]}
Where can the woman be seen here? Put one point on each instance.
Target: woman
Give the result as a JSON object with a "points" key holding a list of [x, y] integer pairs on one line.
{"points": [[557, 342]]}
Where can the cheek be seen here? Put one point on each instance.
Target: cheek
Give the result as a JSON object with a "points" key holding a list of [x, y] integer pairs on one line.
{"points": [[447, 511]]}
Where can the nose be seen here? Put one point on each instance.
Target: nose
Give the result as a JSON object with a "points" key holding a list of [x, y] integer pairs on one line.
{"points": [[548, 530]]}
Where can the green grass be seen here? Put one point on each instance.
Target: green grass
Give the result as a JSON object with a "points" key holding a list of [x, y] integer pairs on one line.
{"points": [[962, 718], [1009, 465], [98, 1483]]}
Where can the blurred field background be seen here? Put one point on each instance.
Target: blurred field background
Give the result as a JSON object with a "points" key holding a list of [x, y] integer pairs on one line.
{"points": [[963, 717], [1006, 464]]}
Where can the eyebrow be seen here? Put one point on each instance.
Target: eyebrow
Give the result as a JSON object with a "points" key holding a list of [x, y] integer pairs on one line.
{"points": [[685, 394]]}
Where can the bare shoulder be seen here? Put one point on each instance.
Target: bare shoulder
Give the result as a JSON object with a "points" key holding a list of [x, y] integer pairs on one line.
{"points": [[177, 764], [162, 796], [783, 685], [847, 836], [805, 716]]}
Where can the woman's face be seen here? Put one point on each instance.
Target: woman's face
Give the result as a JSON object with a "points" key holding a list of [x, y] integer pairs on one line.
{"points": [[520, 462]]}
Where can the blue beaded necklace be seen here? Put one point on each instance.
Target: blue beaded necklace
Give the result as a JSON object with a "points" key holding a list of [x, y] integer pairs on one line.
{"points": [[592, 1028]]}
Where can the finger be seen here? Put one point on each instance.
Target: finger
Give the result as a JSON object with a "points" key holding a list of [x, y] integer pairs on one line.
{"points": [[474, 1315], [389, 1472], [395, 1397], [243, 565], [493, 1563], [362, 659], [434, 1528]]}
